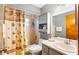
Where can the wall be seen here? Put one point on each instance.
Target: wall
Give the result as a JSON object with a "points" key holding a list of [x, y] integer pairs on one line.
{"points": [[56, 8], [60, 21], [48, 8], [28, 8]]}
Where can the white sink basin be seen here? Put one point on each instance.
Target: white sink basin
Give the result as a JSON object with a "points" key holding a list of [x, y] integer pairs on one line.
{"points": [[60, 44], [64, 47]]}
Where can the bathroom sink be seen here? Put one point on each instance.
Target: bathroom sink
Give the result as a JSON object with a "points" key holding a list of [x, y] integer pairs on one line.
{"points": [[65, 47]]}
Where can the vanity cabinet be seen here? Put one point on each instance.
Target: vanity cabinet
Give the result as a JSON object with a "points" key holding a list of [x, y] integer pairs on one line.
{"points": [[49, 51]]}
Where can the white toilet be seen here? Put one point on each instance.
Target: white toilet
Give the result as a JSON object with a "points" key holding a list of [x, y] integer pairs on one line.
{"points": [[35, 49]]}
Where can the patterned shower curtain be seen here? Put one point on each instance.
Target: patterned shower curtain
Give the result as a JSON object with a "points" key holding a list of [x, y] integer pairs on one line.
{"points": [[13, 31], [33, 31], [14, 41]]}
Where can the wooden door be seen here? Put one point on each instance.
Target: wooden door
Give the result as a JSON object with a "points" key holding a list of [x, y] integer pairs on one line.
{"points": [[71, 27]]}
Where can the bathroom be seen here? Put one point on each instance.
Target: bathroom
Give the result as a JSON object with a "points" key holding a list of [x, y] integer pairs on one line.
{"points": [[38, 29]]}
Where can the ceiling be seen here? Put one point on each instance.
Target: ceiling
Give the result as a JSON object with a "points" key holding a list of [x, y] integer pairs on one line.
{"points": [[39, 5]]}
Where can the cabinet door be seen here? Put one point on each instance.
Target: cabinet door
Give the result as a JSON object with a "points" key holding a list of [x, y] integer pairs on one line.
{"points": [[43, 19], [45, 48], [44, 53], [53, 52]]}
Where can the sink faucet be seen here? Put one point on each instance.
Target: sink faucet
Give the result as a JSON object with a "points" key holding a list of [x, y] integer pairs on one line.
{"points": [[67, 42], [49, 36]]}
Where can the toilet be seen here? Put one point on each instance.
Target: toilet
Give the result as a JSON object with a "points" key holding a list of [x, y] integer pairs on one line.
{"points": [[35, 49]]}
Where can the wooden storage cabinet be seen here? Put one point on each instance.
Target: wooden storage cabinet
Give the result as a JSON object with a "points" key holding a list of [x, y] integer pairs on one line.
{"points": [[49, 51]]}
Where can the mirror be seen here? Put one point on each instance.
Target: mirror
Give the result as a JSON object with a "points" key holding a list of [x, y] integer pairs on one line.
{"points": [[66, 25]]}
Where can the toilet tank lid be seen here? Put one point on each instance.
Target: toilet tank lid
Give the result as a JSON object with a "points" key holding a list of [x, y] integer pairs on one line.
{"points": [[35, 48]]}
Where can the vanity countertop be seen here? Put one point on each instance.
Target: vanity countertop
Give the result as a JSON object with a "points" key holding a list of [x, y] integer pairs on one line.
{"points": [[60, 46]]}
